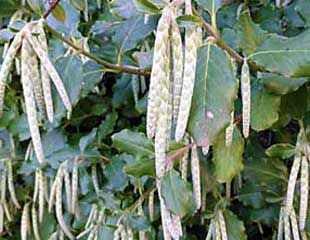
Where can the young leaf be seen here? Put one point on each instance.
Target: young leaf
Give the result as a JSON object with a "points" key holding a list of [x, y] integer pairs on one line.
{"points": [[281, 150], [177, 194]]}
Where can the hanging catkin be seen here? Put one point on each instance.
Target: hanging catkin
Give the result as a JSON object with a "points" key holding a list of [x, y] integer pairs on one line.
{"points": [[177, 65], [246, 98], [195, 170], [159, 72], [193, 37], [30, 102], [304, 193], [7, 64]]}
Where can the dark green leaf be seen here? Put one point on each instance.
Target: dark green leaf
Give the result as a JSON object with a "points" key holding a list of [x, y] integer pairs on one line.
{"points": [[281, 150], [228, 160], [116, 179], [234, 227], [250, 34], [141, 167], [281, 85], [275, 51], [176, 193], [146, 6], [214, 94], [188, 20], [264, 108], [133, 143]]}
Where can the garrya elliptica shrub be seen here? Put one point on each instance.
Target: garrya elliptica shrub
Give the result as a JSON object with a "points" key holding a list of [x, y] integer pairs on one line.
{"points": [[154, 119]]}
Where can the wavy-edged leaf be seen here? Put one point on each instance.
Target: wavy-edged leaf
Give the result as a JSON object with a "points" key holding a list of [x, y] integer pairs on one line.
{"points": [[134, 143], [234, 227], [146, 7], [228, 160], [177, 194], [280, 85], [265, 108], [214, 94], [281, 150], [250, 35], [287, 56]]}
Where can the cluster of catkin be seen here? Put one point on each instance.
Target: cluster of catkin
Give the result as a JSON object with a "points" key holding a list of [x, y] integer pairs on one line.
{"points": [[170, 96], [289, 226], [36, 72], [217, 228]]}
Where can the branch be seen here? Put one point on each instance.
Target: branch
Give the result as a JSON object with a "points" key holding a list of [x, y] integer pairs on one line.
{"points": [[114, 67], [52, 5]]}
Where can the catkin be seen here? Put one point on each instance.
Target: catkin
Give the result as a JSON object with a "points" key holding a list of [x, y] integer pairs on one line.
{"points": [[46, 84], [95, 179], [75, 183], [195, 170], [177, 63], [246, 98], [304, 193], [294, 224], [25, 222], [222, 223], [159, 72], [36, 81], [292, 182], [190, 59], [287, 227], [135, 87], [51, 70], [59, 213], [151, 205], [229, 132], [68, 190], [280, 225], [211, 229], [11, 185], [1, 218], [41, 195], [7, 64], [30, 102], [35, 226]]}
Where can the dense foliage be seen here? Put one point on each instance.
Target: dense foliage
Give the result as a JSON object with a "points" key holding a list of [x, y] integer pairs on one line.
{"points": [[103, 52]]}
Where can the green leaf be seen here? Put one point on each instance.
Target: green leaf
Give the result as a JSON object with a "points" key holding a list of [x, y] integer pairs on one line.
{"points": [[296, 103], [176, 193], [281, 150], [8, 7], [86, 140], [274, 53], [92, 75], [234, 227], [228, 160], [303, 8], [250, 34], [78, 4], [133, 143], [188, 21], [280, 85], [141, 167], [116, 179], [264, 108], [123, 8], [211, 5], [36, 5], [252, 195], [214, 94], [107, 125], [146, 6], [130, 32]]}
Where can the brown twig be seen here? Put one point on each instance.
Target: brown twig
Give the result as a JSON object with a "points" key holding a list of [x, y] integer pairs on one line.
{"points": [[170, 158], [110, 66], [52, 5]]}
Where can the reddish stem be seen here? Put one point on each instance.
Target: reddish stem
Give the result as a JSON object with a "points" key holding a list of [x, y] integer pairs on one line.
{"points": [[52, 5], [170, 158]]}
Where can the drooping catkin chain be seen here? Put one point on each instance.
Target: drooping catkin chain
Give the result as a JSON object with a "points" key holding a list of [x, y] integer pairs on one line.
{"points": [[25, 222], [30, 101], [7, 64], [193, 37], [177, 63], [195, 170], [159, 72], [36, 81], [46, 84], [44, 59], [246, 98], [304, 193]]}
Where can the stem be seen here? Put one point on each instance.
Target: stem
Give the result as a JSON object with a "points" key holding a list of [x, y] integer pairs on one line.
{"points": [[111, 66], [52, 5]]}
